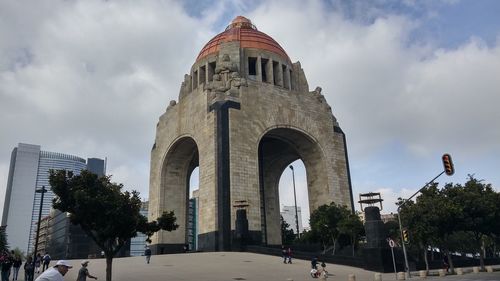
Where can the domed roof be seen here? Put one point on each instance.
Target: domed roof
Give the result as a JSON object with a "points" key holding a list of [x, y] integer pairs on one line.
{"points": [[241, 29]]}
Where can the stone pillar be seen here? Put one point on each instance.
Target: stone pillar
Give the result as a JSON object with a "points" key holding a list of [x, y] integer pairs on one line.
{"points": [[351, 277], [401, 275], [377, 277], [460, 271], [280, 75], [269, 71], [258, 70], [489, 269], [475, 269], [423, 274]]}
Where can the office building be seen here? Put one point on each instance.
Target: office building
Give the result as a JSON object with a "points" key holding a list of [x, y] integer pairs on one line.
{"points": [[138, 243], [288, 214], [29, 171]]}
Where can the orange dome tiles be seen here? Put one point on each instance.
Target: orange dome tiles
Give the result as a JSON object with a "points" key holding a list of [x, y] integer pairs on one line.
{"points": [[248, 38]]}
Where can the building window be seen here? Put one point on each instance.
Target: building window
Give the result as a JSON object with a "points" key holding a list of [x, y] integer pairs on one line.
{"points": [[211, 71], [252, 67], [286, 77], [202, 75]]}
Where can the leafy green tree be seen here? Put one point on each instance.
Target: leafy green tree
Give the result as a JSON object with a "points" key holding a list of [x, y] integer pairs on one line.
{"points": [[392, 229], [431, 220], [108, 215], [324, 223], [19, 254], [351, 226], [287, 235], [4, 246], [478, 203]]}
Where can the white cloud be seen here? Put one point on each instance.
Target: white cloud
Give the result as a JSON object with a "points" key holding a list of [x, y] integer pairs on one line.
{"points": [[91, 78]]}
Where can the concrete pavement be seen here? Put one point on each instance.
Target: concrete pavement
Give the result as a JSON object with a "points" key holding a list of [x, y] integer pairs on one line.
{"points": [[226, 266]]}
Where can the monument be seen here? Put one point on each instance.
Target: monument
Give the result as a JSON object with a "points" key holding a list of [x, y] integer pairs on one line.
{"points": [[244, 113]]}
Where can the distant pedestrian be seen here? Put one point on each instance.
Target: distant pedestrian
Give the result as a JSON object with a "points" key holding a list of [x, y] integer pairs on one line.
{"points": [[55, 273], [446, 265], [283, 253], [46, 261], [28, 269], [38, 261], [83, 273], [16, 265], [289, 254], [314, 262], [147, 253], [6, 265]]}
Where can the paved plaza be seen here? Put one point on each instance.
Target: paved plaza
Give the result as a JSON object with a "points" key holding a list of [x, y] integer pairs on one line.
{"points": [[230, 266]]}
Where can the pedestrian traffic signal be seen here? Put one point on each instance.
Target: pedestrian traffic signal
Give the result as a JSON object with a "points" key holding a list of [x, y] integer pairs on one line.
{"points": [[406, 236], [448, 165]]}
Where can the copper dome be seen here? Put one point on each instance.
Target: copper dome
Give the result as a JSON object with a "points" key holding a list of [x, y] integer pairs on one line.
{"points": [[241, 29]]}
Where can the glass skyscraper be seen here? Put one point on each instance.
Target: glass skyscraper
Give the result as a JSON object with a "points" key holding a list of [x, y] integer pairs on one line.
{"points": [[29, 170]]}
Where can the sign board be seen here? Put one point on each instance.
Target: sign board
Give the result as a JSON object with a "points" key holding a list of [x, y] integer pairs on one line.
{"points": [[391, 243]]}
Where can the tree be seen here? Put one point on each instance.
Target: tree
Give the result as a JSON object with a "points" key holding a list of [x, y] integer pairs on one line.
{"points": [[287, 235], [431, 220], [108, 215], [3, 240], [478, 203], [324, 223], [392, 229], [351, 226]]}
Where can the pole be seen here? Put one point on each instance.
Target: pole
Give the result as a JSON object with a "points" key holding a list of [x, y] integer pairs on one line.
{"points": [[42, 191], [394, 263], [404, 248], [295, 199]]}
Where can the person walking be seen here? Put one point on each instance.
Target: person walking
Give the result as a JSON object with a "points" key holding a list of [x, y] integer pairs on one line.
{"points": [[38, 261], [16, 265], [46, 261], [83, 273], [289, 254], [314, 262], [55, 273], [28, 269], [283, 253], [6, 265], [147, 253]]}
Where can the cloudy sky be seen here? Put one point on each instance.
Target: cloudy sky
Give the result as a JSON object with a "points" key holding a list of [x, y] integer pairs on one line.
{"points": [[407, 80]]}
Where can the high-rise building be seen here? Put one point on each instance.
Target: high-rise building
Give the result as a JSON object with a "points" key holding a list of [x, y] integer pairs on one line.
{"points": [[138, 243], [192, 223], [29, 171], [288, 214]]}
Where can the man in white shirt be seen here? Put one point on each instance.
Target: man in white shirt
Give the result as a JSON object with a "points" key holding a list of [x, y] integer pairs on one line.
{"points": [[55, 273]]}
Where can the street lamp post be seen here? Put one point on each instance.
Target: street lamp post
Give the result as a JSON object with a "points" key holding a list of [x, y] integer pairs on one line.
{"points": [[42, 191], [295, 199]]}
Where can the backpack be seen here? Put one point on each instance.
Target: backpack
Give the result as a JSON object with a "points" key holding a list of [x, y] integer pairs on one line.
{"points": [[46, 259]]}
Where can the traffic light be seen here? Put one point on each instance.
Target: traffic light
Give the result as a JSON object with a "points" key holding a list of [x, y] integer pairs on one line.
{"points": [[406, 236], [448, 165]]}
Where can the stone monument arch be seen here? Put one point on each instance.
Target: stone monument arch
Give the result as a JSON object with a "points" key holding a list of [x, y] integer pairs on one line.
{"points": [[244, 113]]}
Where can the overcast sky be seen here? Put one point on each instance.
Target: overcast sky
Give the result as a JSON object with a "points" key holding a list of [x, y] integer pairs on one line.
{"points": [[407, 81]]}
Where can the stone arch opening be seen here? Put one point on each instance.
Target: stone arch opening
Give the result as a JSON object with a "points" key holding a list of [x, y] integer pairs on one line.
{"points": [[286, 196], [277, 149], [180, 161]]}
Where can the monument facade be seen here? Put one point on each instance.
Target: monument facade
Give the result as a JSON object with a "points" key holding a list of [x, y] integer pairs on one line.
{"points": [[244, 113]]}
